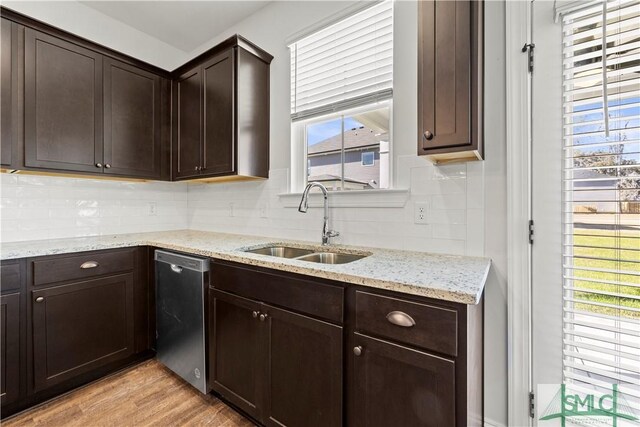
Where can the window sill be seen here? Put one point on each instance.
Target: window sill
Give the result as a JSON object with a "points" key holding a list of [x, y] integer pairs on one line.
{"points": [[392, 198]]}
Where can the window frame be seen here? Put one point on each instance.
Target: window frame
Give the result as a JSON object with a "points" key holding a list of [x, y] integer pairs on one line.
{"points": [[298, 148], [299, 144]]}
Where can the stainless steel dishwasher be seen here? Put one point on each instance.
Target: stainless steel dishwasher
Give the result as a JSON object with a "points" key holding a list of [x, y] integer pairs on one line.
{"points": [[180, 324]]}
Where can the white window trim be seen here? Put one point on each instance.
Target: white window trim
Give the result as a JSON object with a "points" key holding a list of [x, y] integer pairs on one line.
{"points": [[518, 32]]}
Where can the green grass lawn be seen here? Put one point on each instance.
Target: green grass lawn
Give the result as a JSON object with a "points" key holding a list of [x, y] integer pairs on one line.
{"points": [[621, 250]]}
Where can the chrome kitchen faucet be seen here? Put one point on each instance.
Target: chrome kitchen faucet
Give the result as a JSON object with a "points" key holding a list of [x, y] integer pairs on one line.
{"points": [[304, 205]]}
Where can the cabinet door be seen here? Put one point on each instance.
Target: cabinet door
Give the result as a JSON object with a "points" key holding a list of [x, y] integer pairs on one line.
{"points": [[189, 124], [236, 351], [395, 385], [304, 370], [218, 147], [10, 347], [132, 141], [445, 75], [80, 326], [63, 105], [6, 91]]}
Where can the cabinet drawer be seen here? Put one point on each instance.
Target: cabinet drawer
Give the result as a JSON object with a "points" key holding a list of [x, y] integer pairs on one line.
{"points": [[80, 266], [426, 326], [310, 297], [10, 276]]}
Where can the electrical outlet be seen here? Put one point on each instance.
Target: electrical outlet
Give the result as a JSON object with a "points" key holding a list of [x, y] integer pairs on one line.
{"points": [[153, 209], [231, 210], [420, 212]]}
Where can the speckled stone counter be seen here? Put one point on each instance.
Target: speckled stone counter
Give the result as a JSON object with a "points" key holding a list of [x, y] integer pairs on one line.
{"points": [[447, 277]]}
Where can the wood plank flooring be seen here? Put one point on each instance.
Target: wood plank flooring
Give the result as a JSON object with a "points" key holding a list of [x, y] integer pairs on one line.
{"points": [[146, 395]]}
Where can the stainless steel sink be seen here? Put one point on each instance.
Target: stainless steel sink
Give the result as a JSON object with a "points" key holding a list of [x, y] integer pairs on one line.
{"points": [[330, 257], [281, 251], [309, 255]]}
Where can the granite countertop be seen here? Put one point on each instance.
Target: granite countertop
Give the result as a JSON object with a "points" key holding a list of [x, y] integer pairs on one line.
{"points": [[448, 277]]}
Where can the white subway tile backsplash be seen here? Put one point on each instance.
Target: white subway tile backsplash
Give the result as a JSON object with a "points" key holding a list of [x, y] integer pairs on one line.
{"points": [[48, 207], [37, 207]]}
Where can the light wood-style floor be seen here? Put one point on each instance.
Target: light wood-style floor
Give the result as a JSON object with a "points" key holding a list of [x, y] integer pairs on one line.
{"points": [[146, 395]]}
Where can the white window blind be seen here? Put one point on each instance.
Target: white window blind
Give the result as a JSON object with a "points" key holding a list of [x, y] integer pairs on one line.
{"points": [[347, 64], [601, 189]]}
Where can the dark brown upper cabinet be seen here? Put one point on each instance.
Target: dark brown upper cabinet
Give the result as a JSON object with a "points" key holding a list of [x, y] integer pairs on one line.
{"points": [[221, 120], [450, 80], [73, 106], [188, 117], [132, 121], [218, 147], [63, 104], [7, 90]]}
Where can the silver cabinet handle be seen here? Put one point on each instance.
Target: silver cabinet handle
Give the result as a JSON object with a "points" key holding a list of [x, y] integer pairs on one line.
{"points": [[357, 350], [98, 165], [263, 317], [401, 319], [39, 299], [255, 314], [89, 264], [107, 165], [176, 268], [428, 135]]}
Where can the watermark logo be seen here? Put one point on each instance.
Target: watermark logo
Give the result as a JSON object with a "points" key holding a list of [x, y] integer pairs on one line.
{"points": [[563, 405]]}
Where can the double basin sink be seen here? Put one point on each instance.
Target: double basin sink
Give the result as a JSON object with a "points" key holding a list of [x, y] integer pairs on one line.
{"points": [[309, 255]]}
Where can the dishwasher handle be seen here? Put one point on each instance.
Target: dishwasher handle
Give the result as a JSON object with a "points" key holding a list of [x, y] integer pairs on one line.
{"points": [[176, 268]]}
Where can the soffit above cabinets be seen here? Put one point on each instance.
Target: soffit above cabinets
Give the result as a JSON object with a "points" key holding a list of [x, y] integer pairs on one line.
{"points": [[185, 25], [166, 34]]}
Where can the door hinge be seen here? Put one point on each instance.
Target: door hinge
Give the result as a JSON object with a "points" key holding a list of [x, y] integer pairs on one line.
{"points": [[532, 408], [529, 47], [531, 231]]}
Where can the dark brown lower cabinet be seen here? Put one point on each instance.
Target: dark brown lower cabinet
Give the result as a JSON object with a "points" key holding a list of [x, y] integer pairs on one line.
{"points": [[304, 370], [78, 327], [281, 368], [10, 348], [236, 350], [395, 385]]}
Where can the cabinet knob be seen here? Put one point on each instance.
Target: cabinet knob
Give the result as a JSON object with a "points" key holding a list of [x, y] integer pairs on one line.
{"points": [[197, 168], [357, 350], [39, 299], [428, 135], [255, 314], [107, 165], [98, 165], [263, 317]]}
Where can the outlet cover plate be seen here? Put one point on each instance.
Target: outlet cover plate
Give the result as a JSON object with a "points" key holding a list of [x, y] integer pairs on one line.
{"points": [[420, 212]]}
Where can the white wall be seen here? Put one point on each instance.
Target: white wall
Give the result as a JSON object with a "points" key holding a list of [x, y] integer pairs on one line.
{"points": [[46, 207], [495, 245], [90, 24]]}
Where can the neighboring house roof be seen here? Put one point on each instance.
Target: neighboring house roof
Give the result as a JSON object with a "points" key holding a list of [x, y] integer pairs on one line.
{"points": [[353, 139]]}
